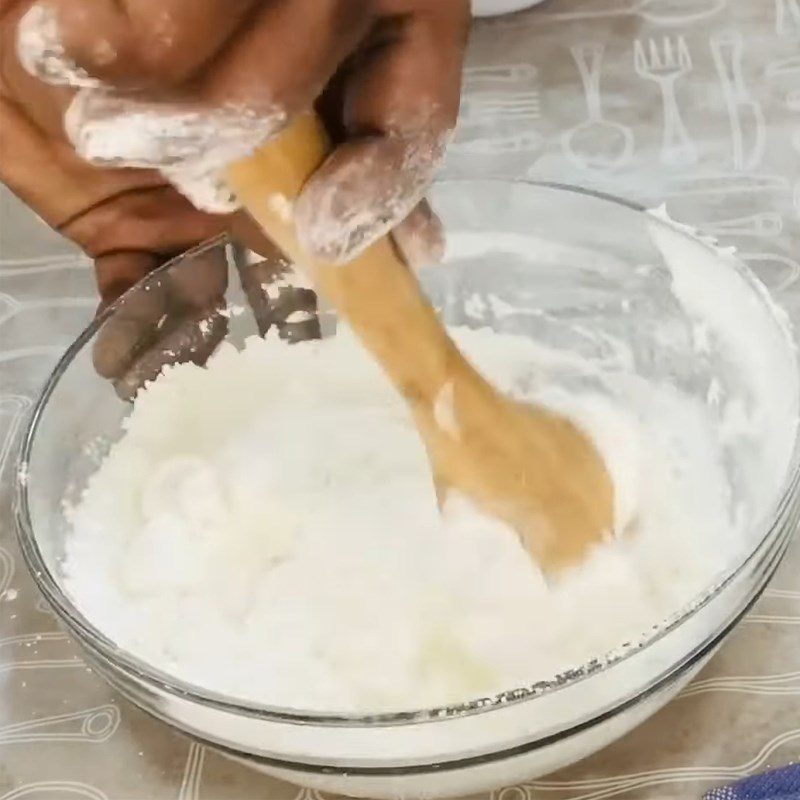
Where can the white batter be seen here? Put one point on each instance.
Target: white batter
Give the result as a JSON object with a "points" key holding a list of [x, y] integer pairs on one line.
{"points": [[267, 528]]}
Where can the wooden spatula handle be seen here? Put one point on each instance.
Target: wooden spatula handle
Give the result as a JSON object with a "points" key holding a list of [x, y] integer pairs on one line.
{"points": [[376, 293]]}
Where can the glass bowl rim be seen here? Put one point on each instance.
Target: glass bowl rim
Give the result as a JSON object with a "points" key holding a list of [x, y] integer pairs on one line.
{"points": [[118, 658]]}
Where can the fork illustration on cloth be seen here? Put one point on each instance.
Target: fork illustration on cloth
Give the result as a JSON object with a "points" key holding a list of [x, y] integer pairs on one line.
{"points": [[664, 63]]}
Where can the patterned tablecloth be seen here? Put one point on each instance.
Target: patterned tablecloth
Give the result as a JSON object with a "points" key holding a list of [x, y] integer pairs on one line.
{"points": [[695, 103]]}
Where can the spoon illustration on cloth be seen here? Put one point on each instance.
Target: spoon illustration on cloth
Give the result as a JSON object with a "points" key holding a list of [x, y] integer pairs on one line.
{"points": [[596, 143]]}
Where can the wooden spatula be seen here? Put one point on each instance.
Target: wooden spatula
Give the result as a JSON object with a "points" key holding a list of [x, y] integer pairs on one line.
{"points": [[522, 464]]}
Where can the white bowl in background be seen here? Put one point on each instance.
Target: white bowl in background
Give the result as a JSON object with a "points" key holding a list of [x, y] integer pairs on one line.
{"points": [[493, 8]]}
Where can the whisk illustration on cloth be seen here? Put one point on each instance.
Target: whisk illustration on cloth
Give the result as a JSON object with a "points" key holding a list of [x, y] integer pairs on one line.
{"points": [[779, 784]]}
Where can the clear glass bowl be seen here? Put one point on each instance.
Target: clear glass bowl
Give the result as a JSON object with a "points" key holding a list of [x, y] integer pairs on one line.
{"points": [[577, 257]]}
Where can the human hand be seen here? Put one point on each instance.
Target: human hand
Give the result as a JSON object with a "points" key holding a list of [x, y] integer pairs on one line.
{"points": [[180, 313], [180, 89]]}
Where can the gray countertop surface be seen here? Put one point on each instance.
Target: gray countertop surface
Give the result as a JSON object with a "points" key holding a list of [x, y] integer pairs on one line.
{"points": [[695, 103]]}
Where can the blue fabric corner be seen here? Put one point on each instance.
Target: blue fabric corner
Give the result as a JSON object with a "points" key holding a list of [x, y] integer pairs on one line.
{"points": [[779, 784]]}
